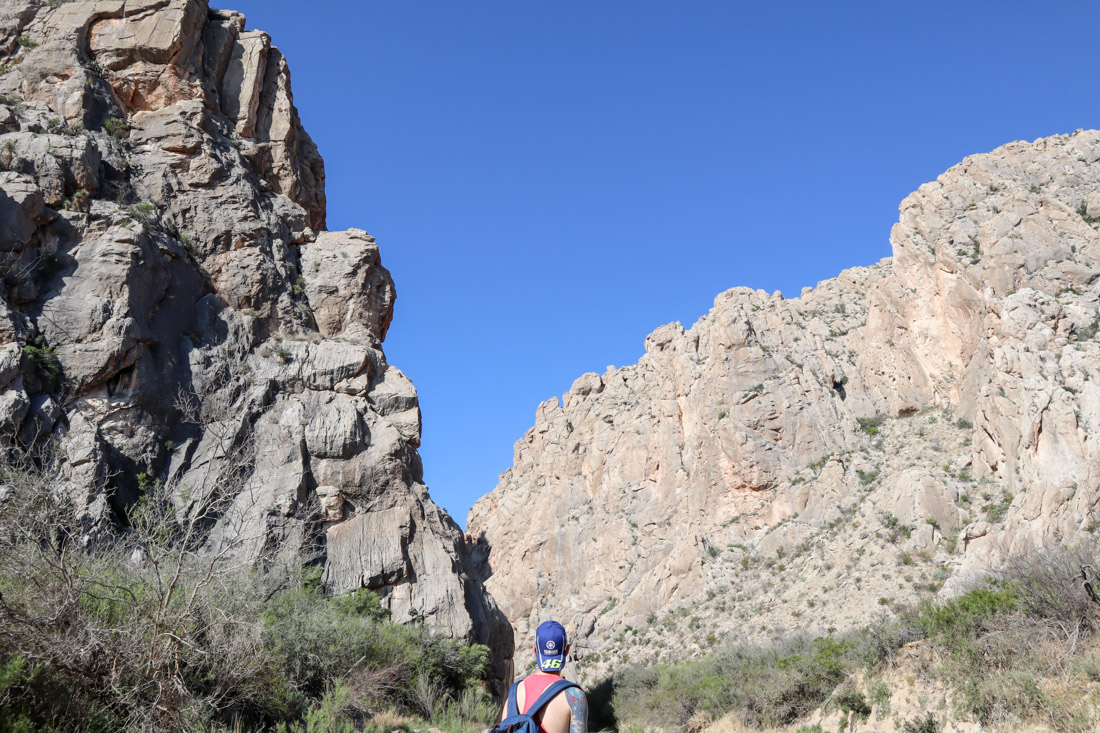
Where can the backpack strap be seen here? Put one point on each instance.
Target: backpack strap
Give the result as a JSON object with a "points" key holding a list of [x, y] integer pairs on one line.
{"points": [[513, 704], [547, 695]]}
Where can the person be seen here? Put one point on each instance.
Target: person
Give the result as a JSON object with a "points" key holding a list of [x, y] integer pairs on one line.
{"points": [[567, 712]]}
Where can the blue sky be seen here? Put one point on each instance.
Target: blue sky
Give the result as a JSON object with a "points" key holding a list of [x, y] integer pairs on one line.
{"points": [[550, 181]]}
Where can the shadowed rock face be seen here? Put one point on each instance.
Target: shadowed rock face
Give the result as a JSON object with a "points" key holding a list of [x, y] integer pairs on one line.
{"points": [[723, 488], [172, 306]]}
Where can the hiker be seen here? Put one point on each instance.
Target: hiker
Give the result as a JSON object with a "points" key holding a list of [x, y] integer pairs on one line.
{"points": [[544, 701]]}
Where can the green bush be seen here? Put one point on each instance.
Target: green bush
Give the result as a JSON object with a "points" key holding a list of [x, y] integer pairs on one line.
{"points": [[926, 724], [116, 127], [328, 715], [143, 211], [43, 356], [772, 686], [870, 425], [967, 615], [866, 477]]}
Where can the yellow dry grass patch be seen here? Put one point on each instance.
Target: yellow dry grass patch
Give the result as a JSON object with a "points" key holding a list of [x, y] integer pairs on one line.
{"points": [[390, 719]]}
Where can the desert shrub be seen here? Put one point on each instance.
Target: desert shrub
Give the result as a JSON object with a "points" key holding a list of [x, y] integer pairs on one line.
{"points": [[143, 211], [999, 641], [43, 356], [773, 685], [880, 640], [311, 640], [473, 707], [870, 425], [976, 635], [994, 643], [1048, 585], [878, 695], [866, 477], [966, 616], [33, 698], [326, 716], [116, 127], [851, 700], [922, 724], [995, 511], [140, 627], [1088, 665]]}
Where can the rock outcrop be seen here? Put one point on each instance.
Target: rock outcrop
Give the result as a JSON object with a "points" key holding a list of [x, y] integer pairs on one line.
{"points": [[805, 463], [173, 309]]}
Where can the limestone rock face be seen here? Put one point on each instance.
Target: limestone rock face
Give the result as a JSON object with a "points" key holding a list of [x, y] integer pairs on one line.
{"points": [[172, 306], [805, 463]]}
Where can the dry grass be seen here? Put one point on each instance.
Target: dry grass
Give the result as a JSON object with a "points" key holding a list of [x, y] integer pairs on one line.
{"points": [[393, 720], [732, 724]]}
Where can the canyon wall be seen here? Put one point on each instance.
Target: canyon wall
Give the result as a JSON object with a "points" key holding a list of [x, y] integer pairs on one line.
{"points": [[807, 463], [174, 310]]}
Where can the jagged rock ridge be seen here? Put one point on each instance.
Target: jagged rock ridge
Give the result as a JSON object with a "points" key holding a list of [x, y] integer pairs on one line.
{"points": [[805, 463], [173, 308]]}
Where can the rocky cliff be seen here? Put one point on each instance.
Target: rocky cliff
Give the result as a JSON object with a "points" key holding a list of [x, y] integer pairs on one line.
{"points": [[173, 309], [805, 463]]}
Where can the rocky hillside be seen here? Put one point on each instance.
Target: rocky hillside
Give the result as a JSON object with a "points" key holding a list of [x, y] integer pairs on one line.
{"points": [[805, 463], [173, 309]]}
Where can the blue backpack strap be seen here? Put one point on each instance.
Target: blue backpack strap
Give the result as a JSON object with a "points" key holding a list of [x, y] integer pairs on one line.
{"points": [[513, 704], [548, 695]]}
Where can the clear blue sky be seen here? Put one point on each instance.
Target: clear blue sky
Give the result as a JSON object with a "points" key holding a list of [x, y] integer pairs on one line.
{"points": [[550, 181]]}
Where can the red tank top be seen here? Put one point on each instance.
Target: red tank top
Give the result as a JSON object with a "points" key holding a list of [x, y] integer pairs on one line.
{"points": [[533, 687]]}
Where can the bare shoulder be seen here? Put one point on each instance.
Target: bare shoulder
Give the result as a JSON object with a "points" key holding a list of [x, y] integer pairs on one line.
{"points": [[578, 710]]}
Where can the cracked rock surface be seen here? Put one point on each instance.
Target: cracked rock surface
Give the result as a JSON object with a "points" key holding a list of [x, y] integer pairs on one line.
{"points": [[806, 463], [163, 254]]}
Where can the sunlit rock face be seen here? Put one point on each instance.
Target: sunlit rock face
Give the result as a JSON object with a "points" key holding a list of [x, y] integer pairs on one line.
{"points": [[805, 463], [173, 309]]}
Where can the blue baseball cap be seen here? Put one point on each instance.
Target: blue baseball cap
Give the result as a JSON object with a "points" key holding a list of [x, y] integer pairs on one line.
{"points": [[550, 643]]}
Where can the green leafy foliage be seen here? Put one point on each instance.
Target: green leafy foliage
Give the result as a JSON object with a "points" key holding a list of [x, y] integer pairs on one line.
{"points": [[43, 356], [116, 127]]}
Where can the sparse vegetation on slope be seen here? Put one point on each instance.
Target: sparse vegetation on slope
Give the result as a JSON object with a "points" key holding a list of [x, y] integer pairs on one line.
{"points": [[1008, 652]]}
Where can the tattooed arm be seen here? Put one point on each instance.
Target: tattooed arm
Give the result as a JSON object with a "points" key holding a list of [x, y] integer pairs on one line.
{"points": [[578, 710]]}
